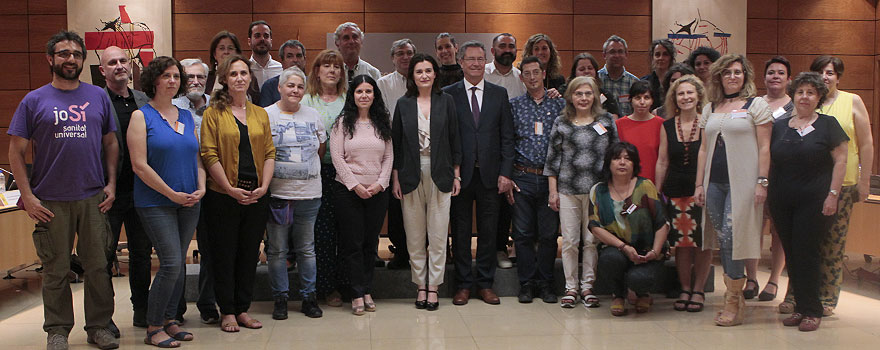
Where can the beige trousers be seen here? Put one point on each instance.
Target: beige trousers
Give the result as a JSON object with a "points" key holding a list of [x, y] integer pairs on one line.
{"points": [[426, 218], [574, 219]]}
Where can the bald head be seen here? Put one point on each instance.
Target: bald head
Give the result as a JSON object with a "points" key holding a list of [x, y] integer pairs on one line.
{"points": [[115, 66]]}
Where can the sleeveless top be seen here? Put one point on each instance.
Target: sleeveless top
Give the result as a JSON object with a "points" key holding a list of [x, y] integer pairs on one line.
{"points": [[680, 177], [842, 110], [173, 156]]}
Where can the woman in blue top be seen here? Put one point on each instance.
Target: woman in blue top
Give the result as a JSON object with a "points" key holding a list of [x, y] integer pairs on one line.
{"points": [[169, 184]]}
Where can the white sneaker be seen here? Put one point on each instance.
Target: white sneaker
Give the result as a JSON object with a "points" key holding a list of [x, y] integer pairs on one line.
{"points": [[503, 261]]}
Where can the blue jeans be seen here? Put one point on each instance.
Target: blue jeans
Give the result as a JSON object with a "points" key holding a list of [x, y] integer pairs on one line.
{"points": [[534, 228], [721, 215], [170, 230], [301, 231]]}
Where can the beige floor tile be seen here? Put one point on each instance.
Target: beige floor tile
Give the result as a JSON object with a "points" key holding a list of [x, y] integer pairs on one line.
{"points": [[457, 343], [504, 325], [417, 325], [508, 306], [640, 340], [828, 337], [321, 344], [734, 338], [347, 328], [545, 342]]}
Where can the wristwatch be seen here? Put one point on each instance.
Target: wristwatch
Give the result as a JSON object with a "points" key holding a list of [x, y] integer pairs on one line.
{"points": [[457, 178], [834, 192], [762, 180]]}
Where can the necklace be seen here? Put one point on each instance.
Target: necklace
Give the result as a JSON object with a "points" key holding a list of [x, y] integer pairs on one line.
{"points": [[686, 142], [614, 188]]}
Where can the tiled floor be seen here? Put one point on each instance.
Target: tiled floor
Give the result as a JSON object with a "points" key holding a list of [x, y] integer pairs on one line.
{"points": [[398, 325]]}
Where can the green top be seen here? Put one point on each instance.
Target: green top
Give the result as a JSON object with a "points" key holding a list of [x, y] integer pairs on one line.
{"points": [[636, 227], [328, 111]]}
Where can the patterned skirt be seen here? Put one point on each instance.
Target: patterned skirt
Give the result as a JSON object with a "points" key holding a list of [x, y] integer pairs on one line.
{"points": [[685, 217]]}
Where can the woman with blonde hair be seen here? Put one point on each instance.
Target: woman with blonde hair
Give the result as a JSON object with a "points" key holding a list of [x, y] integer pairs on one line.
{"points": [[577, 147], [540, 45], [734, 157], [676, 174]]}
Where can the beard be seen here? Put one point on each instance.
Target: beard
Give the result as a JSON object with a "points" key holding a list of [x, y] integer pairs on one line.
{"points": [[60, 71], [505, 59], [261, 49], [195, 94]]}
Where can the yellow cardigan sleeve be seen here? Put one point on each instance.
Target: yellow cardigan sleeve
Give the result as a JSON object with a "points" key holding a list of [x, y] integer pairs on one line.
{"points": [[209, 138]]}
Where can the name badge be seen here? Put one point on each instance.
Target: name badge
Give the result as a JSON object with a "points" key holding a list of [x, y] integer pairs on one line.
{"points": [[539, 128], [778, 112], [623, 99], [600, 129], [631, 209], [602, 98], [806, 131], [179, 127], [738, 113]]}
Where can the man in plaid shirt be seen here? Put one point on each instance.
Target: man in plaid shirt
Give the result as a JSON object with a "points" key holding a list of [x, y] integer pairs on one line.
{"points": [[615, 79]]}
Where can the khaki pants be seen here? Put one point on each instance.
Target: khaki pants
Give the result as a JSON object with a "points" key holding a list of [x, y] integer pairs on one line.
{"points": [[426, 217], [574, 218], [53, 241]]}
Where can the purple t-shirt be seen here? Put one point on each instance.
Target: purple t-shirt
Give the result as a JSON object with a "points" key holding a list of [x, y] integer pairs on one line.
{"points": [[66, 128]]}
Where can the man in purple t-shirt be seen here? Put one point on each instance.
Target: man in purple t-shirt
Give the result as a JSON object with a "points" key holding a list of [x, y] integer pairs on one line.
{"points": [[69, 126]]}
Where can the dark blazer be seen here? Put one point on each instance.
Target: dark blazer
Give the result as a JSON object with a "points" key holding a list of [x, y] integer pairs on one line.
{"points": [[491, 142], [140, 99], [445, 143]]}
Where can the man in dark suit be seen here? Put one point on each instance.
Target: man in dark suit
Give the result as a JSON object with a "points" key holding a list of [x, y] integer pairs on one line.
{"points": [[486, 130]]}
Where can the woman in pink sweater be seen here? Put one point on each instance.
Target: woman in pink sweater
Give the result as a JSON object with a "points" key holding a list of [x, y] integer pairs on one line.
{"points": [[360, 147]]}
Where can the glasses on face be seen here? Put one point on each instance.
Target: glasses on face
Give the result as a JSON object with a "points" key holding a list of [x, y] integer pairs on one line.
{"points": [[474, 59], [67, 53], [403, 53], [581, 94], [196, 76]]}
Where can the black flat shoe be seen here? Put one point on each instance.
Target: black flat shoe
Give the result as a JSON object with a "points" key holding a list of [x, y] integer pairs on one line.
{"points": [[432, 306], [750, 293], [421, 304], [766, 296]]}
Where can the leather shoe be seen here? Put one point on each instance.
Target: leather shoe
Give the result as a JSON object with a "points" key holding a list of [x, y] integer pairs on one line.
{"points": [[488, 295], [526, 293], [461, 297]]}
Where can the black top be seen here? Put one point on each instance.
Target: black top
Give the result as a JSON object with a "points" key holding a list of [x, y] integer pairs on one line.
{"points": [[449, 74], [124, 106], [680, 177], [554, 82], [656, 89], [610, 104], [246, 168], [801, 166], [719, 173]]}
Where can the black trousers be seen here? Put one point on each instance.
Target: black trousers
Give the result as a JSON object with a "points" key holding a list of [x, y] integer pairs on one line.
{"points": [[622, 273], [235, 233], [206, 302], [802, 228], [487, 200], [360, 221], [396, 232]]}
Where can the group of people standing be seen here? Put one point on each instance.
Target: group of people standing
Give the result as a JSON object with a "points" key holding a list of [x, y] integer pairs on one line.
{"points": [[586, 155]]}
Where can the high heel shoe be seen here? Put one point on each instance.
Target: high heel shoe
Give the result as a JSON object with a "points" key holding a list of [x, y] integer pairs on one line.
{"points": [[421, 304], [357, 310], [751, 293], [432, 306], [767, 296]]}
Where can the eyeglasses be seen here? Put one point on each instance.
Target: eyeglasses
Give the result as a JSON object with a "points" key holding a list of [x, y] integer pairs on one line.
{"points": [[474, 59], [403, 53], [67, 53], [196, 76]]}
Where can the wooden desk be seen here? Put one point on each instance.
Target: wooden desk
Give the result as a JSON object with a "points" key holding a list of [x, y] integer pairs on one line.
{"points": [[17, 246], [864, 228]]}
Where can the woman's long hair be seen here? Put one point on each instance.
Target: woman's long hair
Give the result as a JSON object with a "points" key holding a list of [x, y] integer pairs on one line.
{"points": [[569, 111], [554, 64], [329, 56], [221, 97], [216, 41], [671, 103], [411, 89], [716, 90], [379, 116]]}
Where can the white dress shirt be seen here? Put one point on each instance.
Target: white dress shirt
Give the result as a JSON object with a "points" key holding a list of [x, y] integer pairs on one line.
{"points": [[509, 81], [363, 67], [480, 88], [393, 87], [272, 69]]}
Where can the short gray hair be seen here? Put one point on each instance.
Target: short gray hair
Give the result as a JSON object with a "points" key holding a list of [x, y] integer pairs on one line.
{"points": [[468, 44], [291, 71], [345, 26], [614, 38], [399, 43], [290, 43], [193, 61]]}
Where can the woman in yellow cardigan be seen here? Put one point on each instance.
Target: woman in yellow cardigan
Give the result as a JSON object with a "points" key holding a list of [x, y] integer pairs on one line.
{"points": [[237, 150]]}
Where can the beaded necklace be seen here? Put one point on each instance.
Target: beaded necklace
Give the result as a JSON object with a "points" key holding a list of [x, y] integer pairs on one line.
{"points": [[687, 142]]}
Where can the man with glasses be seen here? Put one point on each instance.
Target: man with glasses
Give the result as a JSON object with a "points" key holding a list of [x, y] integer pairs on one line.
{"points": [[69, 127], [292, 53], [615, 79], [486, 129], [116, 68]]}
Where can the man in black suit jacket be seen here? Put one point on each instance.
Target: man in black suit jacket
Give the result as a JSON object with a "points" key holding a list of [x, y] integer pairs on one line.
{"points": [[486, 130]]}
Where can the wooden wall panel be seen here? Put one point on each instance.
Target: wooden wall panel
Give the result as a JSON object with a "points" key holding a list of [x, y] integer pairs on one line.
{"points": [[867, 97], [761, 36], [39, 70], [520, 6], [9, 100], [827, 9], [311, 29], [47, 7], [16, 68], [558, 27], [858, 73], [592, 31], [618, 7], [14, 29], [393, 22], [826, 36], [14, 7], [194, 32], [762, 9], [286, 6], [212, 6], [414, 6], [42, 27]]}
